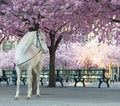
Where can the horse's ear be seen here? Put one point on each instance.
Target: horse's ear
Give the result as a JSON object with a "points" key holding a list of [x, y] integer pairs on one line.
{"points": [[31, 29], [39, 30]]}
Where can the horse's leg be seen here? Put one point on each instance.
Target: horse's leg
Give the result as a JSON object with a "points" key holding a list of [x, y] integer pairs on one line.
{"points": [[36, 71], [18, 82], [29, 81], [39, 68], [38, 83]]}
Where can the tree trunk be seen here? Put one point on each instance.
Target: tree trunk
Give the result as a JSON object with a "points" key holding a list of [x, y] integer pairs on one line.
{"points": [[52, 50], [52, 82], [34, 82]]}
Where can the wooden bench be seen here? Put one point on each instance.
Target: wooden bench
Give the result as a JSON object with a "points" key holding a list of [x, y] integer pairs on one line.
{"points": [[4, 77], [57, 79], [103, 79], [45, 75], [78, 78], [14, 78]]}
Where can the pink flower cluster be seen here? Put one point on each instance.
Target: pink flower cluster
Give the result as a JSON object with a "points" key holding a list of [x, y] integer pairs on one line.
{"points": [[7, 60]]}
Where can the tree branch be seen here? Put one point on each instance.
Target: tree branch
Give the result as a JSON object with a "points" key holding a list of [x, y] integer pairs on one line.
{"points": [[97, 0], [61, 27], [39, 16], [45, 29], [2, 13], [58, 41], [114, 20], [2, 39]]}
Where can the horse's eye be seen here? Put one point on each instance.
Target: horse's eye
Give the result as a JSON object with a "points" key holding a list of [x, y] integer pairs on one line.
{"points": [[42, 39]]}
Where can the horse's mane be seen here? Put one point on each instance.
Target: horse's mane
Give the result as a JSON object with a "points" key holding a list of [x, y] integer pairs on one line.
{"points": [[25, 42]]}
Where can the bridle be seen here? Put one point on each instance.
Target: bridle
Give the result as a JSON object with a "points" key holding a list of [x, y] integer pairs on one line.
{"points": [[37, 42]]}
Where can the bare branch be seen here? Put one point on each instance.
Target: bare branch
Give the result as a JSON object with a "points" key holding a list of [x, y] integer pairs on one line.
{"points": [[61, 26], [58, 41], [97, 0], [2, 39], [114, 20], [39, 16], [2, 13], [45, 29]]}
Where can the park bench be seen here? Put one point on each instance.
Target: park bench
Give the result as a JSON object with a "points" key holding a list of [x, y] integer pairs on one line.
{"points": [[103, 79], [4, 77], [79, 78], [14, 78], [58, 78], [82, 80], [23, 79]]}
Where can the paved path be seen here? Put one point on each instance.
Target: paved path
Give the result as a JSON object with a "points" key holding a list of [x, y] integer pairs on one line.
{"points": [[62, 96]]}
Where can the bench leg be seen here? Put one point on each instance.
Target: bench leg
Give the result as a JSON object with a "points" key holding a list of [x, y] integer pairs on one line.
{"points": [[107, 84], [83, 83], [14, 82], [61, 82], [23, 81], [100, 82], [0, 81], [75, 83], [41, 80], [7, 82], [5, 79]]}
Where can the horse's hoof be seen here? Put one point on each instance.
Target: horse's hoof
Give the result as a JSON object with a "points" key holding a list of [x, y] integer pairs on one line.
{"points": [[16, 98], [28, 98], [38, 95]]}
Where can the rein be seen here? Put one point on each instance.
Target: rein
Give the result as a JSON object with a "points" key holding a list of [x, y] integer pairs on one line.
{"points": [[35, 54], [28, 59]]}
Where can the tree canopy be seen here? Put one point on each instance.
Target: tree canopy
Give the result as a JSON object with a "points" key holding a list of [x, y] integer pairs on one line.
{"points": [[78, 17]]}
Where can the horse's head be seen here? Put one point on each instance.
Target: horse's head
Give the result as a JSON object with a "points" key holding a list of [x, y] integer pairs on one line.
{"points": [[40, 42]]}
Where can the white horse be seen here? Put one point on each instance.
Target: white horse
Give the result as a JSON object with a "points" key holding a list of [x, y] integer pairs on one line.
{"points": [[29, 55]]}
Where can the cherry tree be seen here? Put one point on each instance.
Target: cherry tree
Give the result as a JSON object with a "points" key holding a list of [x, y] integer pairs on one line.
{"points": [[91, 55], [65, 56], [61, 19], [7, 60]]}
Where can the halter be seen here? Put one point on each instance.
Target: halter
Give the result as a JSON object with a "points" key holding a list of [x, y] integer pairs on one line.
{"points": [[37, 42]]}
